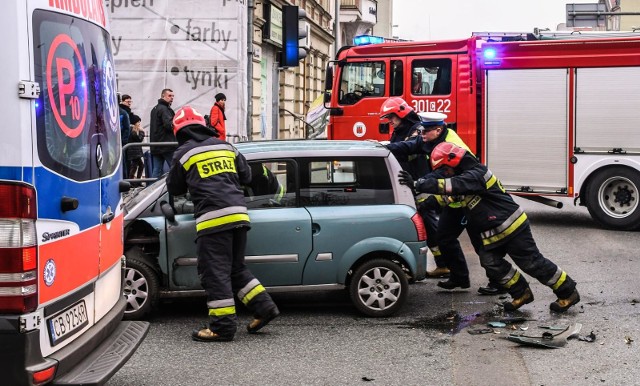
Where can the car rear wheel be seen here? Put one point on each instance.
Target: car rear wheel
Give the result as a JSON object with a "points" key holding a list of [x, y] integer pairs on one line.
{"points": [[140, 286], [379, 288]]}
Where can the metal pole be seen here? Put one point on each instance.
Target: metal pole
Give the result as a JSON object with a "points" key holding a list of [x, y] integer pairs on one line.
{"points": [[250, 9]]}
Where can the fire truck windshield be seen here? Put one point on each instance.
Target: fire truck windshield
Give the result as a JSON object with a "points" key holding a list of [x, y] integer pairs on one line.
{"points": [[361, 80]]}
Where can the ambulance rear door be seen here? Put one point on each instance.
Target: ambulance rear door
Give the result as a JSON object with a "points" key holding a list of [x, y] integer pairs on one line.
{"points": [[77, 166]]}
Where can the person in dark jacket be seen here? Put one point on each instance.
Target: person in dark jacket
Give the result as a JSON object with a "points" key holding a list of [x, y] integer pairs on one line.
{"points": [[213, 172], [134, 153], [161, 130], [125, 104], [499, 226], [406, 125], [433, 131]]}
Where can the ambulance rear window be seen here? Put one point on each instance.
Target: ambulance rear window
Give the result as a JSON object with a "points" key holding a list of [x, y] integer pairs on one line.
{"points": [[77, 113]]}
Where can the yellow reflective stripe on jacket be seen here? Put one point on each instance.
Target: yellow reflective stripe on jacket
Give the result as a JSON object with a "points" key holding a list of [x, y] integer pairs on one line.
{"points": [[222, 216], [223, 311], [224, 220], [202, 153], [420, 197], [510, 225], [435, 251]]}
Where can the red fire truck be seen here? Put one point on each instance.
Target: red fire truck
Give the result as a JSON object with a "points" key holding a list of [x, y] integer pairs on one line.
{"points": [[551, 117]]}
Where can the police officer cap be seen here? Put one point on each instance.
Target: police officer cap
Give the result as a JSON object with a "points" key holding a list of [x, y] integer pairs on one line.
{"points": [[432, 118]]}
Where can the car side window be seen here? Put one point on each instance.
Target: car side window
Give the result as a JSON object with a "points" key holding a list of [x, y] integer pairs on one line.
{"points": [[345, 181], [272, 185]]}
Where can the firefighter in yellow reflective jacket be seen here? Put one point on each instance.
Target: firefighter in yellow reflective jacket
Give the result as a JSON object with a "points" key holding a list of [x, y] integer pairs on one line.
{"points": [[499, 225], [265, 184], [213, 171]]}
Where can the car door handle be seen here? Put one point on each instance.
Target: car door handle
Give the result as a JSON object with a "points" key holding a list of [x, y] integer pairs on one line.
{"points": [[315, 228], [107, 217]]}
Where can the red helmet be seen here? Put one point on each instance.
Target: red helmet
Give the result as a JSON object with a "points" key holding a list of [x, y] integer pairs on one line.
{"points": [[394, 105], [185, 116], [446, 154]]}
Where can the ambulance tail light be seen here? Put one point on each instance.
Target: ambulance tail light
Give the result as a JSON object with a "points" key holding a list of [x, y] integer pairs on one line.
{"points": [[422, 231], [18, 248]]}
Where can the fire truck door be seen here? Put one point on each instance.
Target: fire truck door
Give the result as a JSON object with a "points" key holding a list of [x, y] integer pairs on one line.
{"points": [[526, 128], [431, 87]]}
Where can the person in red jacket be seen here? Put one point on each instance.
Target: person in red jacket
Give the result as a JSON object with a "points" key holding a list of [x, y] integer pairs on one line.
{"points": [[217, 116]]}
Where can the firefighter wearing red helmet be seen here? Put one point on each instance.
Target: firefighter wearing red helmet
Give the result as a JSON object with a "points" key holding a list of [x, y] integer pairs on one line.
{"points": [[499, 226], [406, 125], [433, 130], [213, 172]]}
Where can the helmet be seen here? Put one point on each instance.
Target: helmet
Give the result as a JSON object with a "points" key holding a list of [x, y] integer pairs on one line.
{"points": [[394, 105], [185, 116], [446, 154]]}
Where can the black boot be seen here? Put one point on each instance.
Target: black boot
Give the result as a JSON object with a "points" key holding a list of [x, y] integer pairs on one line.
{"points": [[454, 283], [492, 289]]}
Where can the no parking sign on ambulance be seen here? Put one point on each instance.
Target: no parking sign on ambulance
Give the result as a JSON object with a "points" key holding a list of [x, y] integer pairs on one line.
{"points": [[66, 84]]}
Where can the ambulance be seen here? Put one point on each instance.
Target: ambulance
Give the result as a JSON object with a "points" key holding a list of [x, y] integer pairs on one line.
{"points": [[61, 226]]}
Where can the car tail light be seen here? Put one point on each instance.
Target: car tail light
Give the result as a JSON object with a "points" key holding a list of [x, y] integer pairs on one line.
{"points": [[422, 231], [18, 248]]}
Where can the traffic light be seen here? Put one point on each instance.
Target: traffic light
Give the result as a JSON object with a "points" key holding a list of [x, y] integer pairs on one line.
{"points": [[294, 33]]}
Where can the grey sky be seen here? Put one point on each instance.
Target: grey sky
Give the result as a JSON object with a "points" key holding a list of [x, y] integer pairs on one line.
{"points": [[453, 19]]}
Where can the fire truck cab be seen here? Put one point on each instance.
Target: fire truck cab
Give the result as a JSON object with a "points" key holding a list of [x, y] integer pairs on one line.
{"points": [[551, 117]]}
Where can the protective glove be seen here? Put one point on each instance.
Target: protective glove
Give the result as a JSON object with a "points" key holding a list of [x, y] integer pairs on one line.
{"points": [[405, 179]]}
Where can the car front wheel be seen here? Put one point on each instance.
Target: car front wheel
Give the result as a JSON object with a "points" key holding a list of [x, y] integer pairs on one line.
{"points": [[140, 287], [379, 288]]}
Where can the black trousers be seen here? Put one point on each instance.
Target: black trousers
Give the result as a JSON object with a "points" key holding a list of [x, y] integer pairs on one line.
{"points": [[450, 227], [524, 252], [224, 274]]}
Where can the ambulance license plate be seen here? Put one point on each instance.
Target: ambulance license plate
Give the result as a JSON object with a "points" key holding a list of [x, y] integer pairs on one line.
{"points": [[65, 323]]}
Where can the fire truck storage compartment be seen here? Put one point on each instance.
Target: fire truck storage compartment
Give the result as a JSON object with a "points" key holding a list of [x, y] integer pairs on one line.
{"points": [[608, 109], [526, 128]]}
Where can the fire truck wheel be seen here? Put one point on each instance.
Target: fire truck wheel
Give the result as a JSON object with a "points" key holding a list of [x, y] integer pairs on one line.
{"points": [[140, 286], [613, 198], [379, 288]]}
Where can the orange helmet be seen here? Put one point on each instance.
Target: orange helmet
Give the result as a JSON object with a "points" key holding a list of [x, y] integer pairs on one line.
{"points": [[446, 154], [185, 116], [394, 105]]}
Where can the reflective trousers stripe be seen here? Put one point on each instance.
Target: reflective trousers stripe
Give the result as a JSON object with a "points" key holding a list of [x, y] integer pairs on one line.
{"points": [[223, 311]]}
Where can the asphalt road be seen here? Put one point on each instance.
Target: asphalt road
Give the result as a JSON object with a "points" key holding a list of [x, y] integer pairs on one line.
{"points": [[319, 339]]}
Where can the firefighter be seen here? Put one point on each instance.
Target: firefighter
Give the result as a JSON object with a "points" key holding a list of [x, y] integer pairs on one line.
{"points": [[499, 226], [263, 183], [433, 131], [406, 125], [213, 171]]}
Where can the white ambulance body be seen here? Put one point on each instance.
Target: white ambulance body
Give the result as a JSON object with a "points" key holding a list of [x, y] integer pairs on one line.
{"points": [[61, 260]]}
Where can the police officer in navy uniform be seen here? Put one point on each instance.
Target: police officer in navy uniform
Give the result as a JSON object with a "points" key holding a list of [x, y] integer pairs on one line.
{"points": [[451, 222], [406, 125], [213, 171], [497, 224]]}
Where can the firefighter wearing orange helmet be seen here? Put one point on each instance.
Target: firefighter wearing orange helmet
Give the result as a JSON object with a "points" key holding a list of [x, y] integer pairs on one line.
{"points": [[406, 125], [499, 226], [213, 171]]}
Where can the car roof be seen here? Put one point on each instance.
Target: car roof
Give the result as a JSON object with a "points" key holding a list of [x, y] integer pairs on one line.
{"points": [[315, 148]]}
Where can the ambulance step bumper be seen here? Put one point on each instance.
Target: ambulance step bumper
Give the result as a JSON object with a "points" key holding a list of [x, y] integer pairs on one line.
{"points": [[107, 358]]}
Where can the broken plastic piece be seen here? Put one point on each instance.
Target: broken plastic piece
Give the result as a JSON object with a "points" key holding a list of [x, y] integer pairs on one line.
{"points": [[547, 339], [479, 331], [496, 324], [589, 338], [556, 328]]}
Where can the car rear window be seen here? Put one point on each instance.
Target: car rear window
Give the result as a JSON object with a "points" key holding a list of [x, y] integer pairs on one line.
{"points": [[345, 181]]}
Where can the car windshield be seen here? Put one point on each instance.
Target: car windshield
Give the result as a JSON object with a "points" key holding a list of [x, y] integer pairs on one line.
{"points": [[134, 196]]}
